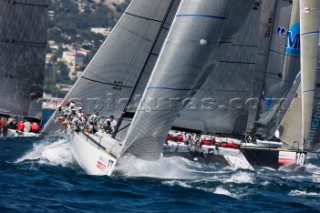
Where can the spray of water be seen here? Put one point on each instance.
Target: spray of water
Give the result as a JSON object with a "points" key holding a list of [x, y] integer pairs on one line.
{"points": [[57, 153]]}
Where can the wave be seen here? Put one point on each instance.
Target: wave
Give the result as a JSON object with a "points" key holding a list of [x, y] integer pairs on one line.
{"points": [[57, 153]]}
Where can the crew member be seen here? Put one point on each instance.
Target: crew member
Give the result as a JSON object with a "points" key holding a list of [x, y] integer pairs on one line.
{"points": [[93, 122], [35, 128]]}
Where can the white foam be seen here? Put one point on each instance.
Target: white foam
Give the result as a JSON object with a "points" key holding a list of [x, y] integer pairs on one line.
{"points": [[50, 153], [221, 191], [239, 177], [164, 168], [303, 193]]}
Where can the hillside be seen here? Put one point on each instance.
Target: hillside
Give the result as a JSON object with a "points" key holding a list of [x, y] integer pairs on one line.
{"points": [[75, 25]]}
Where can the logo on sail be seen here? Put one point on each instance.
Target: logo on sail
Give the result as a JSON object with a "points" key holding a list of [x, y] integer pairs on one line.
{"points": [[292, 45], [293, 40]]}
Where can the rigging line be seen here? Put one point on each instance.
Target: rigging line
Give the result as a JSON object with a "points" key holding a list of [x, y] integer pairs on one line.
{"points": [[24, 43], [13, 2], [105, 83]]}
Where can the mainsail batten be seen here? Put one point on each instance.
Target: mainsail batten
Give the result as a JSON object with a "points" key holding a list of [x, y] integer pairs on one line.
{"points": [[23, 39]]}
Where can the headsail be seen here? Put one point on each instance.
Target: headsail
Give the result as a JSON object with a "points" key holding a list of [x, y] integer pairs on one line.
{"points": [[291, 124], [310, 21], [23, 39], [131, 49], [190, 46], [267, 22], [283, 65]]}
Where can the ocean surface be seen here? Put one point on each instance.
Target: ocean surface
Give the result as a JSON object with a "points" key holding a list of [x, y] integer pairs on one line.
{"points": [[47, 179]]}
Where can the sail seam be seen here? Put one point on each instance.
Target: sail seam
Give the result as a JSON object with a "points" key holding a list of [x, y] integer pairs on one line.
{"points": [[201, 15], [24, 43], [131, 14], [310, 33], [13, 2], [167, 88], [111, 84]]}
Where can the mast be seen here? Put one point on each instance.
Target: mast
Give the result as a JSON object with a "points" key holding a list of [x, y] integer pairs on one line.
{"points": [[310, 21], [138, 79]]}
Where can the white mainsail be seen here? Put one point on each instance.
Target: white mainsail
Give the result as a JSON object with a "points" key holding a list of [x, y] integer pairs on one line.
{"points": [[23, 40], [310, 21], [219, 105], [191, 44]]}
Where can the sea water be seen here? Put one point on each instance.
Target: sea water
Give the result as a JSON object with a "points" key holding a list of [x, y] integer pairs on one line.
{"points": [[47, 179]]}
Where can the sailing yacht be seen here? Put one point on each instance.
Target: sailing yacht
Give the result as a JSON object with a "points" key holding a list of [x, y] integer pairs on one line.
{"points": [[23, 39], [163, 54]]}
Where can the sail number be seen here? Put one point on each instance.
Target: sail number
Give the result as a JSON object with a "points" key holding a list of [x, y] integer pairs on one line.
{"points": [[256, 6], [117, 85], [301, 157]]}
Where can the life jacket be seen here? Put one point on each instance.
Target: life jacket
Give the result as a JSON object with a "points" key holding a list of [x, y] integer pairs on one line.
{"points": [[207, 142], [35, 127], [20, 126], [180, 138]]}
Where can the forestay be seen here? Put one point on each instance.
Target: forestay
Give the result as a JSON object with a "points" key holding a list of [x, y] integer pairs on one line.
{"points": [[188, 50], [130, 50], [23, 39]]}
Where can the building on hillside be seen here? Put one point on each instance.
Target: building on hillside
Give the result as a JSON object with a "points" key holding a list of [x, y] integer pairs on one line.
{"points": [[103, 31], [74, 60]]}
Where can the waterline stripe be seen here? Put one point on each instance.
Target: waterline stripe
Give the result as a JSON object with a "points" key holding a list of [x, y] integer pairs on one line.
{"points": [[310, 33], [167, 88], [201, 15]]}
